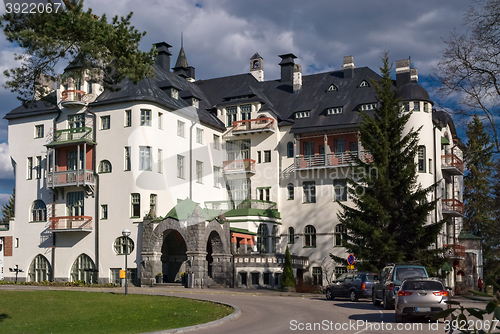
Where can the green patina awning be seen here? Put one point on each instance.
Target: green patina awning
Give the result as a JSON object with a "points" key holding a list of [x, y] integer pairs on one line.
{"points": [[446, 267], [445, 141], [242, 231], [467, 235], [187, 207]]}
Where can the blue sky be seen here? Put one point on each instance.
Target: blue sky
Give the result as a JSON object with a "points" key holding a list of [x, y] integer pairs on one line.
{"points": [[220, 36]]}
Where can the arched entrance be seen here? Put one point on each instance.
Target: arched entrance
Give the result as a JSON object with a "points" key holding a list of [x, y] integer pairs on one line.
{"points": [[173, 256], [215, 249]]}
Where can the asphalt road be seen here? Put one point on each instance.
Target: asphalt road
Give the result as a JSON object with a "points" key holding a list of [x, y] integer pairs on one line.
{"points": [[265, 312]]}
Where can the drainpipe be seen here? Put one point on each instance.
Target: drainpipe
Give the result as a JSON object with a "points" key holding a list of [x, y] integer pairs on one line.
{"points": [[96, 192]]}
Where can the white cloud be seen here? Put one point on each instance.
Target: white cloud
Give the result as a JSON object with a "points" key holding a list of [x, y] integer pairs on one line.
{"points": [[6, 171]]}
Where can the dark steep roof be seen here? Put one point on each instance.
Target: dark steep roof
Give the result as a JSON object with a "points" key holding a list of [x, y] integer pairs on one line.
{"points": [[39, 107], [181, 59], [413, 91]]}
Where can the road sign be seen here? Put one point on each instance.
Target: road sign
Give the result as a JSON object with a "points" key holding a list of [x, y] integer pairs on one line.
{"points": [[350, 259], [122, 273], [351, 266]]}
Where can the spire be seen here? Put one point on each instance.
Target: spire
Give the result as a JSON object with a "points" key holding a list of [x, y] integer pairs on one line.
{"points": [[181, 59]]}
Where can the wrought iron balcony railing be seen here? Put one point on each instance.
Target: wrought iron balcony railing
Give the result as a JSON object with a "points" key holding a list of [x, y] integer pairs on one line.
{"points": [[330, 159], [453, 206], [452, 163], [70, 178]]}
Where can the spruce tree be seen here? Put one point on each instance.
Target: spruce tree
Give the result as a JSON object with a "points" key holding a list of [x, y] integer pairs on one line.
{"points": [[288, 279], [388, 221], [8, 208]]}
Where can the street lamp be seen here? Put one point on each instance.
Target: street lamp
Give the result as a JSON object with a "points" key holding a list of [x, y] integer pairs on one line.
{"points": [[126, 234]]}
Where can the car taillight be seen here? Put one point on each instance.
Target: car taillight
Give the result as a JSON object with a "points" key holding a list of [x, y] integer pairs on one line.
{"points": [[404, 293], [391, 286], [441, 293], [363, 286]]}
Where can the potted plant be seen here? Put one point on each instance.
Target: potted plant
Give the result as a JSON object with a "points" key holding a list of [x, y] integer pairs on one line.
{"points": [[159, 278]]}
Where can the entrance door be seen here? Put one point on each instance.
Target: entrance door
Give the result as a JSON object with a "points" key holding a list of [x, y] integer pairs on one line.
{"points": [[173, 256]]}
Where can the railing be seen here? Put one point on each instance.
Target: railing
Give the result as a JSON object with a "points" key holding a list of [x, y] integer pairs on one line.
{"points": [[331, 159], [245, 165], [257, 124], [455, 251], [73, 95], [82, 133], [453, 205], [70, 177], [451, 160], [243, 204], [70, 222], [269, 260]]}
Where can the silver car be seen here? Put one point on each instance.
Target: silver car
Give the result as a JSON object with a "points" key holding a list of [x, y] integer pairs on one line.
{"points": [[420, 297]]}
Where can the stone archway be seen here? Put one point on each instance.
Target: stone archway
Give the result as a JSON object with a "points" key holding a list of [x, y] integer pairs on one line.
{"points": [[173, 256], [214, 245]]}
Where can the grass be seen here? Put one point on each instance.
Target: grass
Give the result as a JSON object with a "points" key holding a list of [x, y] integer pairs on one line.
{"points": [[100, 312]]}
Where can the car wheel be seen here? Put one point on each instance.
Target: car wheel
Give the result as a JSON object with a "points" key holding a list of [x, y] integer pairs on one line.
{"points": [[329, 294], [386, 303], [399, 317], [374, 300], [352, 296]]}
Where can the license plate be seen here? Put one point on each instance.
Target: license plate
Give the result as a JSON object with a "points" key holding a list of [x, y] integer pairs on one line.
{"points": [[422, 309]]}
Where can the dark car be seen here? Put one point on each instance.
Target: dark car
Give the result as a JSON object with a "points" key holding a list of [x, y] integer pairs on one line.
{"points": [[352, 286], [389, 281]]}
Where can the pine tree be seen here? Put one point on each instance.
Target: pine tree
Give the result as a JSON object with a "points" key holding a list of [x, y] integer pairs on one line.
{"points": [[288, 279], [389, 219], [8, 208]]}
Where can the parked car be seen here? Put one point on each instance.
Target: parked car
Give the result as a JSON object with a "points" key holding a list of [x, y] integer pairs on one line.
{"points": [[352, 286], [420, 297], [389, 281]]}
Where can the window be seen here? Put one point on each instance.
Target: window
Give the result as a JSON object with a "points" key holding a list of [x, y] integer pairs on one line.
{"points": [[29, 168], [416, 106], [152, 202], [180, 129], [231, 116], [267, 156], [16, 243], [334, 111], [239, 189], [216, 142], [104, 211], [127, 159], [310, 236], [259, 157], [160, 161], [160, 121], [39, 131], [38, 167], [364, 83], [289, 149], [339, 235], [275, 238], [332, 88], [105, 122], [421, 159], [196, 102], [199, 171], [262, 236], [264, 194], [144, 158], [175, 93], [246, 110], [430, 166], [426, 107], [40, 269], [74, 204], [368, 106], [180, 166], [76, 121], [105, 166], [217, 176], [406, 106], [136, 205], [238, 149], [340, 270], [123, 245], [38, 211], [199, 136], [145, 117], [128, 118], [83, 269], [309, 192], [291, 235], [302, 114], [317, 275], [340, 190], [291, 191], [308, 148]]}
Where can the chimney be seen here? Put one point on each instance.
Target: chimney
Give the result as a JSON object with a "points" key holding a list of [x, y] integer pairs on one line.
{"points": [[414, 75], [402, 71], [287, 62], [163, 58], [348, 67], [297, 77]]}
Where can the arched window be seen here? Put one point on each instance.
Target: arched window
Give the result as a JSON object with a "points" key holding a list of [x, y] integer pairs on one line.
{"points": [[275, 238], [332, 88], [105, 166], [291, 235], [40, 269], [291, 191], [262, 236], [123, 245], [340, 234], [38, 211], [364, 83], [289, 150], [261, 119], [83, 269], [310, 236]]}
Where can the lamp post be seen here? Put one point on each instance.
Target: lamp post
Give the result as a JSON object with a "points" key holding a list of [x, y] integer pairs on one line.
{"points": [[126, 234]]}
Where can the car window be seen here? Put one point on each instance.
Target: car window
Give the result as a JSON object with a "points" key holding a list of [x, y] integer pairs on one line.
{"points": [[423, 285], [385, 273], [341, 278], [358, 278], [407, 272], [371, 278]]}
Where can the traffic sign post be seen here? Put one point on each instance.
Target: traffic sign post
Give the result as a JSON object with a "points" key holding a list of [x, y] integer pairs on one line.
{"points": [[350, 262]]}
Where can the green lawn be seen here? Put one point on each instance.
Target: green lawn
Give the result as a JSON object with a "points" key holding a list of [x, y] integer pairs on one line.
{"points": [[100, 312]]}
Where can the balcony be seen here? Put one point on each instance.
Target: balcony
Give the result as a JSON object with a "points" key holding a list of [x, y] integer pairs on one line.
{"points": [[453, 207], [75, 135], [239, 166], [247, 207], [269, 260], [452, 164], [303, 162], [74, 98], [262, 124], [70, 178], [71, 224], [455, 252]]}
